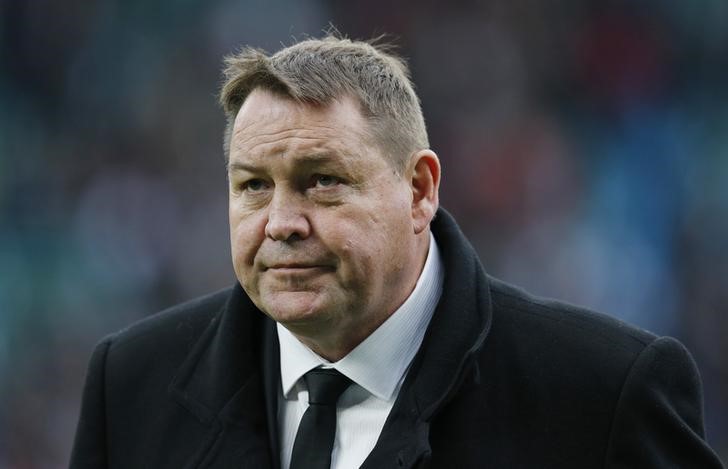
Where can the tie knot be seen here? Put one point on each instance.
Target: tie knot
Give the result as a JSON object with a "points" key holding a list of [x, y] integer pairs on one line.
{"points": [[325, 385]]}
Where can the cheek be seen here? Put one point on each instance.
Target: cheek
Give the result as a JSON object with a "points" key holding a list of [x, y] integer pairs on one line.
{"points": [[246, 235], [368, 245], [349, 241], [395, 237]]}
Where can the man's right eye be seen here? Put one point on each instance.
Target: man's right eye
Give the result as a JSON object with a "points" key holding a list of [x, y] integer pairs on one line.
{"points": [[254, 185]]}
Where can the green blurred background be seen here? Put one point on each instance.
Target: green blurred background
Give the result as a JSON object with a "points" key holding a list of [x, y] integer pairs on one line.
{"points": [[584, 147]]}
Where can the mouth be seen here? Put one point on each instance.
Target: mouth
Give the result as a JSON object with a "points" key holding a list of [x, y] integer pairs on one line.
{"points": [[294, 268]]}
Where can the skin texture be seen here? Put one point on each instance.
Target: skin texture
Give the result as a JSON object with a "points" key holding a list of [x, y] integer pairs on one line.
{"points": [[327, 238]]}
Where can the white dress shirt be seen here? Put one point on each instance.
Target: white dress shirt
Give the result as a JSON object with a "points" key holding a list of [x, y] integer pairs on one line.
{"points": [[377, 366]]}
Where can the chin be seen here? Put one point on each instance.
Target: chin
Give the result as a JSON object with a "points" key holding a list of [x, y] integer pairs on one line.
{"points": [[294, 308]]}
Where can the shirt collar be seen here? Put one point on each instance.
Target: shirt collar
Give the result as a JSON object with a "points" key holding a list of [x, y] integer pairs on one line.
{"points": [[379, 363]]}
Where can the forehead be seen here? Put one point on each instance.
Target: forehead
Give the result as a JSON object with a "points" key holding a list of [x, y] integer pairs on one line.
{"points": [[270, 124]]}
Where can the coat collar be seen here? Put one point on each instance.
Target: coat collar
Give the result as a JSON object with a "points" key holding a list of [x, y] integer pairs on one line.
{"points": [[446, 358], [460, 324], [222, 382], [231, 380]]}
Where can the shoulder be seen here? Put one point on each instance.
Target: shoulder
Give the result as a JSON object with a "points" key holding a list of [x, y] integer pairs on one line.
{"points": [[555, 346], [184, 319], [567, 327], [167, 335], [624, 378]]}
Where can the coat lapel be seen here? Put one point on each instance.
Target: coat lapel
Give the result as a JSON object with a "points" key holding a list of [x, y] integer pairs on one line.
{"points": [[458, 329], [221, 384], [272, 388]]}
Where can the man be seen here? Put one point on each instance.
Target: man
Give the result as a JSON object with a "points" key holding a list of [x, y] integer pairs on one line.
{"points": [[363, 330]]}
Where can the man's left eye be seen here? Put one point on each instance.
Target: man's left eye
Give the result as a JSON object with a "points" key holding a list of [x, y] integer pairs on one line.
{"points": [[324, 180]]}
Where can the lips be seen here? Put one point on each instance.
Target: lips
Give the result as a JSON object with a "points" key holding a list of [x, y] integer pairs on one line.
{"points": [[294, 267], [291, 266]]}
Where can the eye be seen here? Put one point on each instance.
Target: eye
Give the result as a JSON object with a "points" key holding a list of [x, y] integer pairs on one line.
{"points": [[254, 185], [324, 180]]}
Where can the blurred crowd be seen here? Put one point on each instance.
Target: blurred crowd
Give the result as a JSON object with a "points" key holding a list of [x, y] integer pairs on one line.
{"points": [[584, 148]]}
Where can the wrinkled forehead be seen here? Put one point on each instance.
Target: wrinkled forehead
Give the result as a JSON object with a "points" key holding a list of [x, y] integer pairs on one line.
{"points": [[267, 121], [262, 104]]}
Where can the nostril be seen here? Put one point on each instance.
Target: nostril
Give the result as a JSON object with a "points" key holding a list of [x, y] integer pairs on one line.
{"points": [[287, 226]]}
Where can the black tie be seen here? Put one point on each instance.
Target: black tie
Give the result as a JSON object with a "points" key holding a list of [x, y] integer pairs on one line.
{"points": [[315, 436]]}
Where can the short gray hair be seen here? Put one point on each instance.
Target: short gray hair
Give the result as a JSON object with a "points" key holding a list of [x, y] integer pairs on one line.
{"points": [[318, 71]]}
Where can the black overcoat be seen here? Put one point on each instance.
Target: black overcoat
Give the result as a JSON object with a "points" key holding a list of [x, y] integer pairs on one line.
{"points": [[502, 380]]}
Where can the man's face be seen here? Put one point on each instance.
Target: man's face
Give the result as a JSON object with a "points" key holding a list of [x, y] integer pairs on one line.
{"points": [[321, 226]]}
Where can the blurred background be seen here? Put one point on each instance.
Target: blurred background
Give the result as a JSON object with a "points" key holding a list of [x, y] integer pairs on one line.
{"points": [[584, 148]]}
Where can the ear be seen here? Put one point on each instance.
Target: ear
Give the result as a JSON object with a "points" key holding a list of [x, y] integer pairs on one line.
{"points": [[424, 176]]}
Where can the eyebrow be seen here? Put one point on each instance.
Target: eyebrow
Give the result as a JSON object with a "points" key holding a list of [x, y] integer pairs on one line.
{"points": [[306, 160], [237, 166]]}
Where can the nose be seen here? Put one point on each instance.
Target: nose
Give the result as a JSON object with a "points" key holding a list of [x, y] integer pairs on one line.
{"points": [[287, 220]]}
